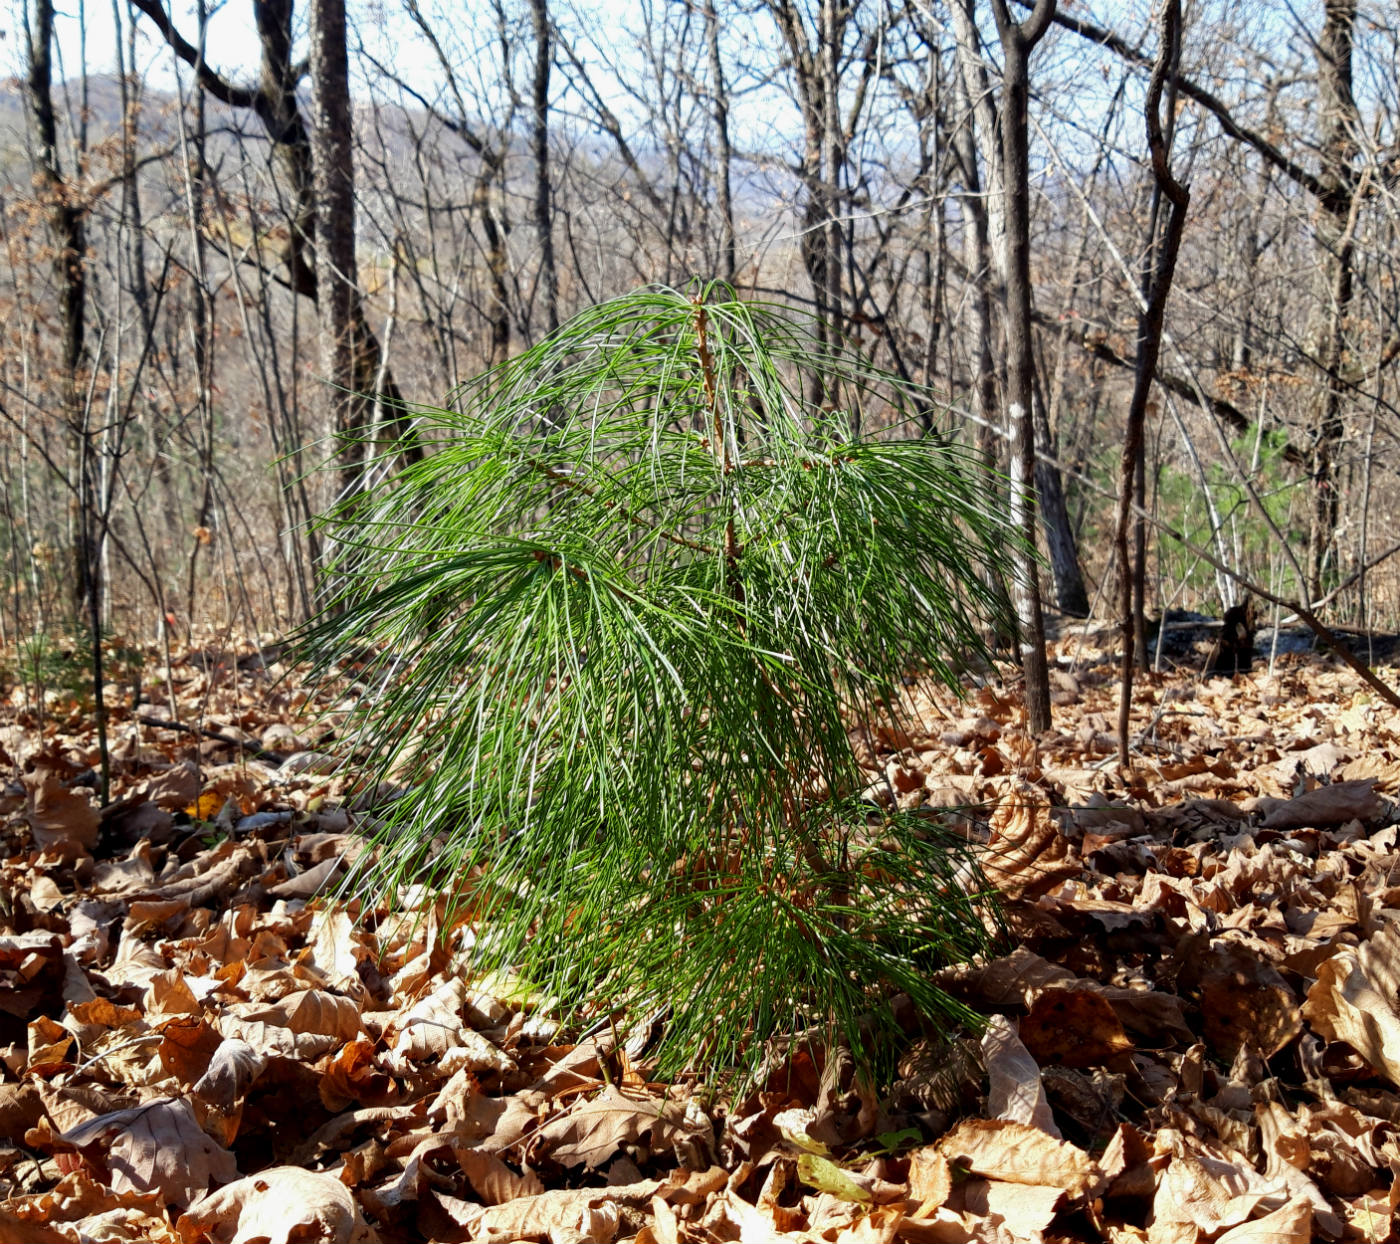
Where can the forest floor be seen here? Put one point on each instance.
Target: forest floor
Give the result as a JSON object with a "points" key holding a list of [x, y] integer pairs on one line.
{"points": [[1194, 1028]]}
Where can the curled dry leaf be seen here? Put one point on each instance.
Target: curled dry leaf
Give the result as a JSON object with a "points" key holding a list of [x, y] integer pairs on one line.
{"points": [[232, 1069], [187, 1043], [278, 1206], [22, 1230], [1354, 1000], [1015, 1091], [84, 1210], [565, 1216], [303, 1025], [157, 1147], [433, 1028], [492, 1180], [1026, 854]]}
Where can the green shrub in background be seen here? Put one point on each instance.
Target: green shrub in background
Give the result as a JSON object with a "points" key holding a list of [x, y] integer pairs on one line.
{"points": [[625, 620], [1252, 544]]}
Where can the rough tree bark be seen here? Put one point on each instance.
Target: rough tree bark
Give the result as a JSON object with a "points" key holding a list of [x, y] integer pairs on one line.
{"points": [[1337, 121], [539, 150], [815, 66], [333, 199], [1018, 39]]}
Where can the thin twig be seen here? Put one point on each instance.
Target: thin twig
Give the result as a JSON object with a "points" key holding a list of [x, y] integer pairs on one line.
{"points": [[261, 753]]}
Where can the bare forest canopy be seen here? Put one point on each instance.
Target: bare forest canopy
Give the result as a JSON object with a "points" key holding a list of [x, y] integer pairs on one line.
{"points": [[390, 200]]}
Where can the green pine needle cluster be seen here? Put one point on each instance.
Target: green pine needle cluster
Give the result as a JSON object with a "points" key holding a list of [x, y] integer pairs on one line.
{"points": [[626, 622]]}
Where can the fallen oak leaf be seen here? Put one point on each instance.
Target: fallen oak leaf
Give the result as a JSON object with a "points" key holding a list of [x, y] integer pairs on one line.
{"points": [[593, 1131]]}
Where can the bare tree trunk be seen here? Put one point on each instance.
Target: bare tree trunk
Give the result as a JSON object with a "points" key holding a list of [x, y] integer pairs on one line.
{"points": [[539, 148], [1148, 345], [830, 37], [724, 155], [1071, 596], [275, 102], [333, 199], [1337, 122], [977, 249], [1017, 41], [202, 313], [65, 212]]}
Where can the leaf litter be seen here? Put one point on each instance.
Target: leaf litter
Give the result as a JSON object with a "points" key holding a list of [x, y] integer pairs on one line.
{"points": [[1193, 1020]]}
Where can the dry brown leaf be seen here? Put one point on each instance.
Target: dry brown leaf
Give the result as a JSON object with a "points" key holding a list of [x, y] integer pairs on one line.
{"points": [[565, 1216], [433, 1028], [174, 789], [1019, 1154], [1015, 1091], [1018, 978], [1354, 1000], [1327, 805], [1202, 1191], [282, 1205], [49, 1044], [1244, 1000], [88, 1211], [305, 1024], [1073, 1028], [57, 815], [1289, 1224], [1023, 1211], [335, 947], [232, 1069], [1026, 854], [160, 1147], [930, 1180], [492, 1180], [594, 1130], [187, 1043], [19, 1230]]}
